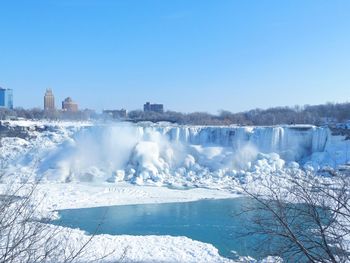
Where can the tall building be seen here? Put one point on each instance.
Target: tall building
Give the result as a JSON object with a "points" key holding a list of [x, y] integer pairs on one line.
{"points": [[69, 105], [49, 101], [6, 98], [148, 107]]}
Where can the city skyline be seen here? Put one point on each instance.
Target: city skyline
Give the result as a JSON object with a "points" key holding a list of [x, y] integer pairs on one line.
{"points": [[146, 107], [189, 55]]}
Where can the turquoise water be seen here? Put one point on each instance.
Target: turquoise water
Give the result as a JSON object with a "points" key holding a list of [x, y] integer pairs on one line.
{"points": [[212, 221]]}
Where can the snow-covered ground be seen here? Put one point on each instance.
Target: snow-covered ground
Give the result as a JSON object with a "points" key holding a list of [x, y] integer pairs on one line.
{"points": [[56, 196], [86, 165]]}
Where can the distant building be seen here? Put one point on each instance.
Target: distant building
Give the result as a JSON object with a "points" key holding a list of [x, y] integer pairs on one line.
{"points": [[49, 101], [88, 114], [6, 98], [69, 105], [116, 114], [148, 107]]}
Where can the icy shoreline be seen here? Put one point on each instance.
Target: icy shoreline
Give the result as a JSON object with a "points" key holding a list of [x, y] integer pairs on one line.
{"points": [[82, 166], [57, 196]]}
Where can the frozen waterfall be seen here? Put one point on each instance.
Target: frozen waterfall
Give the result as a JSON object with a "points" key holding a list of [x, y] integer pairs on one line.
{"points": [[169, 153]]}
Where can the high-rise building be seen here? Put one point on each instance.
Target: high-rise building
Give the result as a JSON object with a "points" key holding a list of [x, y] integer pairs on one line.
{"points": [[69, 105], [6, 98], [49, 101], [148, 107]]}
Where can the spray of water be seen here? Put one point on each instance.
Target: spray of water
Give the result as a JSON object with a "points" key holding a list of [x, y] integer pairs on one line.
{"points": [[151, 153]]}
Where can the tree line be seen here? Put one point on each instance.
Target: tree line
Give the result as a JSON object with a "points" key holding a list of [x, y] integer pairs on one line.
{"points": [[307, 114], [39, 114], [316, 115]]}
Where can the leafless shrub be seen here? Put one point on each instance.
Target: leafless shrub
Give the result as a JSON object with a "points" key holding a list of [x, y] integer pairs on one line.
{"points": [[27, 237], [303, 217]]}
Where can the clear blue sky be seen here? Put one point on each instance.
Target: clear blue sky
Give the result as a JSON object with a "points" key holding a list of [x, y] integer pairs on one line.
{"points": [[202, 55]]}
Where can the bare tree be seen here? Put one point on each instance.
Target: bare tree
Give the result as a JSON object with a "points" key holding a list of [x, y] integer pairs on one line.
{"points": [[302, 217], [25, 236]]}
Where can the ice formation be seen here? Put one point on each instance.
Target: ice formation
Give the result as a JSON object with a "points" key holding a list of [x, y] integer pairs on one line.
{"points": [[172, 154], [160, 154]]}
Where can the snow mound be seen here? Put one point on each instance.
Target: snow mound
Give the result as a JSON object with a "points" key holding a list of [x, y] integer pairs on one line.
{"points": [[169, 154]]}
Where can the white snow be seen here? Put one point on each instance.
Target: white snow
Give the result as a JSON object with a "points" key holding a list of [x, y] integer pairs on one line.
{"points": [[86, 165], [56, 196], [125, 248], [148, 154]]}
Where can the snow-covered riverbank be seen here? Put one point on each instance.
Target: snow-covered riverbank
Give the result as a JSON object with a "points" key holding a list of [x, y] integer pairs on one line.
{"points": [[82, 165], [56, 196]]}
